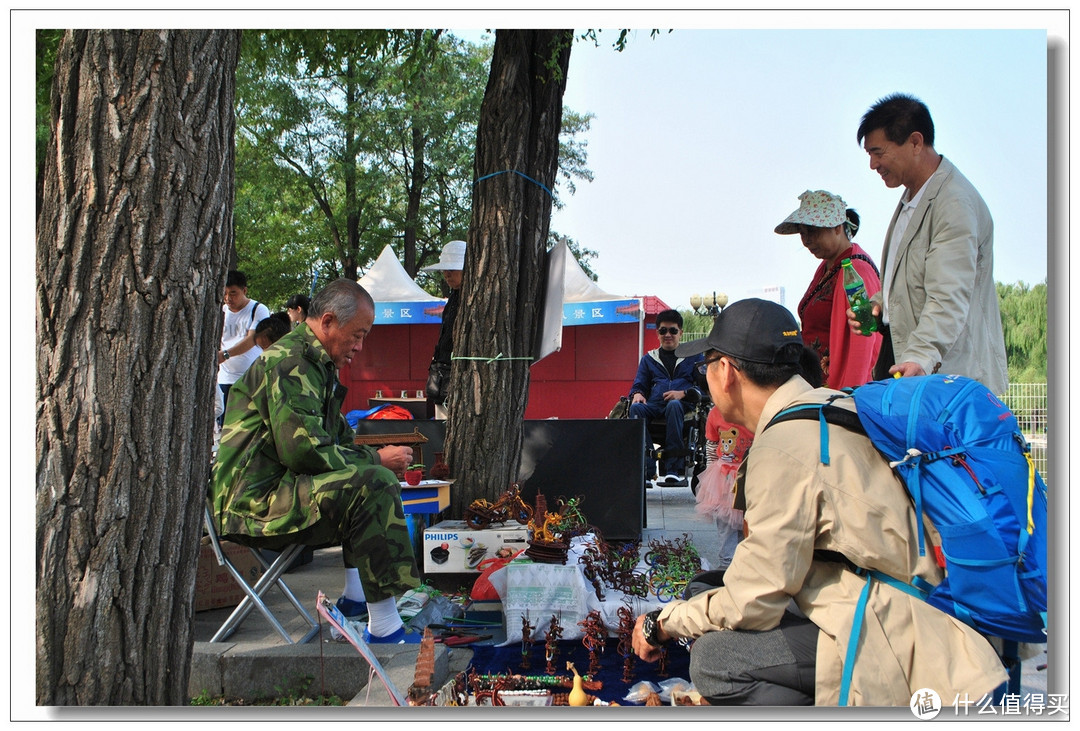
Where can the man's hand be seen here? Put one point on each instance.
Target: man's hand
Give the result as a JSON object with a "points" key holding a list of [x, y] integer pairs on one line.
{"points": [[643, 649], [854, 324], [674, 395], [907, 368], [396, 459], [637, 398]]}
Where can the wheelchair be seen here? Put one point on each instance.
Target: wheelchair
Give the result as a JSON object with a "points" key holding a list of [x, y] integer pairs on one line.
{"points": [[693, 439]]}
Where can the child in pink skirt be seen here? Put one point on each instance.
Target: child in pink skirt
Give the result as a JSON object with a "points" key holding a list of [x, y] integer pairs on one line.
{"points": [[725, 448]]}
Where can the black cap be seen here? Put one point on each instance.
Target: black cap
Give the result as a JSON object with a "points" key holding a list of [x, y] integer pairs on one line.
{"points": [[753, 330]]}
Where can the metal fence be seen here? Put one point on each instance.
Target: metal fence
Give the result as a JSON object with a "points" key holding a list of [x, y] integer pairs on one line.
{"points": [[1027, 401]]}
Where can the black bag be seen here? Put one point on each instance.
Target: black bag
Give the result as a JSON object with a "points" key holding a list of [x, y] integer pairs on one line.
{"points": [[438, 381]]}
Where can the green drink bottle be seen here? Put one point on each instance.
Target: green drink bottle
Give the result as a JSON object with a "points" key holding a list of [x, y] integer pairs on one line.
{"points": [[857, 299]]}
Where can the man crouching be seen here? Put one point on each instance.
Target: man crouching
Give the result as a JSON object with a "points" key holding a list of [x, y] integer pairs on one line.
{"points": [[776, 632]]}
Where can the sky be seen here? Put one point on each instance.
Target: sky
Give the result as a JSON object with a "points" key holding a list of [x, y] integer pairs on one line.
{"points": [[703, 140]]}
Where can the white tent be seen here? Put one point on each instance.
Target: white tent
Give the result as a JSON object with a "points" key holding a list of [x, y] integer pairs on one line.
{"points": [[577, 287], [398, 299]]}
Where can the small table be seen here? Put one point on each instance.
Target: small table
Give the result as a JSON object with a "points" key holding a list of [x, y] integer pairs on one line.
{"points": [[420, 503]]}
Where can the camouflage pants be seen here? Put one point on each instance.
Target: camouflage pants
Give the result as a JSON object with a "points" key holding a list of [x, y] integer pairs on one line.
{"points": [[360, 508]]}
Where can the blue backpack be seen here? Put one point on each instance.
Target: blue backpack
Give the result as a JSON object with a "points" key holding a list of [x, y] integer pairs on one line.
{"points": [[967, 467]]}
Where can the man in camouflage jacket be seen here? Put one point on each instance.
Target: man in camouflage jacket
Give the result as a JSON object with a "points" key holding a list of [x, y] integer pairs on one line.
{"points": [[287, 470]]}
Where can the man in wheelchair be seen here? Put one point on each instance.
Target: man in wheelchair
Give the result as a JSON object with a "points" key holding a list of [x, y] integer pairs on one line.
{"points": [[666, 388]]}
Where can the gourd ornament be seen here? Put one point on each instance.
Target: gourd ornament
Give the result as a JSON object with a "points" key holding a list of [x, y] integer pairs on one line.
{"points": [[577, 696]]}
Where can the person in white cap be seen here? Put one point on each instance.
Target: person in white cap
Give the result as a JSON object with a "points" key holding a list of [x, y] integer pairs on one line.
{"points": [[451, 263]]}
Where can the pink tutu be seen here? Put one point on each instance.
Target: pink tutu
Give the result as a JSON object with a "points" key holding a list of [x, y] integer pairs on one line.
{"points": [[716, 493]]}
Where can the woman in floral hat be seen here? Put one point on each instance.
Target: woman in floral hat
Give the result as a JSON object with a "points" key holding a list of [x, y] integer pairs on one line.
{"points": [[827, 226]]}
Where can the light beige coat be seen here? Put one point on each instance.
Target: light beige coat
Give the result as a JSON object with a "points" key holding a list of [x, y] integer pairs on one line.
{"points": [[857, 507], [943, 303]]}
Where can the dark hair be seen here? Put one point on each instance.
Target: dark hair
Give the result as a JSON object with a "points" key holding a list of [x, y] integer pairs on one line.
{"points": [[808, 366], [236, 279], [669, 316], [341, 298], [898, 115], [851, 225], [274, 326], [301, 301]]}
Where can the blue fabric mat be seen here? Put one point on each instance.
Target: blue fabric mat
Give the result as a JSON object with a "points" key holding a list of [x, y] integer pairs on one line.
{"points": [[489, 660]]}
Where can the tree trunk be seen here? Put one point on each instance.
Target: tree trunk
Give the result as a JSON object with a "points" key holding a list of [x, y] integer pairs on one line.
{"points": [[132, 244], [518, 136]]}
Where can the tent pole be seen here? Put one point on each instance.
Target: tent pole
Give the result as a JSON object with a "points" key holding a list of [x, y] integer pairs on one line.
{"points": [[641, 330]]}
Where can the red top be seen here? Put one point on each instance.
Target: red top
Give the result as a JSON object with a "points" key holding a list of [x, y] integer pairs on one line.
{"points": [[847, 359], [734, 440]]}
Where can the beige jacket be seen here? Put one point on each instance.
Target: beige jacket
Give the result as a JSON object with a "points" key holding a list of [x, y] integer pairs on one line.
{"points": [[857, 507], [943, 303]]}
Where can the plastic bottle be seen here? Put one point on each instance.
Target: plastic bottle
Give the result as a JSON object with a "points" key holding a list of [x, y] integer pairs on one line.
{"points": [[857, 299]]}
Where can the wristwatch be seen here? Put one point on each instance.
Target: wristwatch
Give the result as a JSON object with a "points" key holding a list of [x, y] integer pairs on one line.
{"points": [[649, 628], [225, 354]]}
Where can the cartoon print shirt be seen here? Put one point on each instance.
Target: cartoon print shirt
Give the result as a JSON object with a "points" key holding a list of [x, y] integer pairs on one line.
{"points": [[732, 441]]}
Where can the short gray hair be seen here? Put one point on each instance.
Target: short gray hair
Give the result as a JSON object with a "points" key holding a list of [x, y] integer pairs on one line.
{"points": [[341, 298]]}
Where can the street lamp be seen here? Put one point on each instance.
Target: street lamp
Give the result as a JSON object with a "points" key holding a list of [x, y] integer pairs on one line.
{"points": [[702, 306]]}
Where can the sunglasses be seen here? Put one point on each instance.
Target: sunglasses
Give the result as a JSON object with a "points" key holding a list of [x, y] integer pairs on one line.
{"points": [[667, 330]]}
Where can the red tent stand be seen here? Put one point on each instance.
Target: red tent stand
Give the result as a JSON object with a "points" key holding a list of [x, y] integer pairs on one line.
{"points": [[583, 380]]}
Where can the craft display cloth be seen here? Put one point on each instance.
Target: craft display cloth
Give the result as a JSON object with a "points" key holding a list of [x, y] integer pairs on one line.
{"points": [[539, 590], [506, 660]]}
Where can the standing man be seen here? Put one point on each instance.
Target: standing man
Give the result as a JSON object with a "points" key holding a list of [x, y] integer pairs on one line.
{"points": [[938, 302], [288, 471], [776, 631], [661, 387], [238, 349]]}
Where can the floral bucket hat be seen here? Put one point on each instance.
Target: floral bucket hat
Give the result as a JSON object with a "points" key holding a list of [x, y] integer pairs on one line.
{"points": [[818, 208]]}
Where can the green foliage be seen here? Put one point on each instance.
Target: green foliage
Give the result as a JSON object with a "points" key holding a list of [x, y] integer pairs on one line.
{"points": [[48, 42], [620, 43], [694, 324], [205, 699], [1024, 323], [348, 142]]}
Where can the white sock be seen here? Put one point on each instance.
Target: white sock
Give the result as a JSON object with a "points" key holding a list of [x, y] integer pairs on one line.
{"points": [[353, 588], [383, 617]]}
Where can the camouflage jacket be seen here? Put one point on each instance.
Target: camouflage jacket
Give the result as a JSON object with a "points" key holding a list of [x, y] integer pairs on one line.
{"points": [[284, 436]]}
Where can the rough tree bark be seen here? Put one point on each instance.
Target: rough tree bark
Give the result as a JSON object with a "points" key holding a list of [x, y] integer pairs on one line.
{"points": [[132, 240], [518, 136]]}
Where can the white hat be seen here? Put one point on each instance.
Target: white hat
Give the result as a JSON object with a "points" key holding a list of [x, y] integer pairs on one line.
{"points": [[452, 258], [819, 208]]}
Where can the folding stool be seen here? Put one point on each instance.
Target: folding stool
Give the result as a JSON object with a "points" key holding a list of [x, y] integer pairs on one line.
{"points": [[272, 576]]}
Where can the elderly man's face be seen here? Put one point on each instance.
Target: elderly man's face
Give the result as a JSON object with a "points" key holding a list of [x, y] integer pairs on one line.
{"points": [[344, 341], [669, 334]]}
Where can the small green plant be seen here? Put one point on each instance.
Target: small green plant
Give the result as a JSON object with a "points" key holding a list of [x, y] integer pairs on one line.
{"points": [[415, 467], [205, 699]]}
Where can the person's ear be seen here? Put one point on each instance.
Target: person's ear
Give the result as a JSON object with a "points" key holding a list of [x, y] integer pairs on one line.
{"points": [[728, 376], [916, 139]]}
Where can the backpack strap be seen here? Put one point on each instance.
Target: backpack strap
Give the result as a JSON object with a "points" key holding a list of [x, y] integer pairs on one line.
{"points": [[825, 413], [857, 621], [254, 307]]}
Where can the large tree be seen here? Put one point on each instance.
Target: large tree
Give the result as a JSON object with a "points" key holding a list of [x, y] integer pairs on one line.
{"points": [[517, 156], [132, 241]]}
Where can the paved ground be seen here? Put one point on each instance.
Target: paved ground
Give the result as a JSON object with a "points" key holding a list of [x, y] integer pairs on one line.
{"points": [[255, 662]]}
